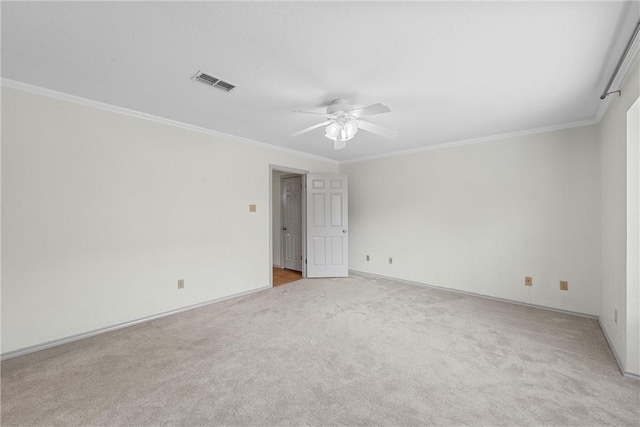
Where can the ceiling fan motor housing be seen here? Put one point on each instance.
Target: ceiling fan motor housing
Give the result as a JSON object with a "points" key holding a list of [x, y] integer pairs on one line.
{"points": [[339, 105]]}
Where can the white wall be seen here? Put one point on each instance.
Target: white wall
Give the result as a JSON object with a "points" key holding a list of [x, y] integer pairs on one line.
{"points": [[481, 217], [613, 162], [102, 213]]}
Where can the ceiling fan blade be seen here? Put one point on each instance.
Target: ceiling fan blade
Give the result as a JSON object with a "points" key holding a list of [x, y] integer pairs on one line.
{"points": [[309, 112], [370, 110], [378, 130], [310, 128]]}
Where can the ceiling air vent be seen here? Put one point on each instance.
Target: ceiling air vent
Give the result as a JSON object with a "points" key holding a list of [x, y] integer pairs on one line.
{"points": [[203, 77]]}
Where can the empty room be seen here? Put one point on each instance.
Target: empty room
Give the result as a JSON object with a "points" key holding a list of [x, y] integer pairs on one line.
{"points": [[374, 213]]}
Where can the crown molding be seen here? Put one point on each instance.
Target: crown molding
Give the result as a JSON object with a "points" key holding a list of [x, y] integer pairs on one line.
{"points": [[476, 140], [38, 90], [137, 114]]}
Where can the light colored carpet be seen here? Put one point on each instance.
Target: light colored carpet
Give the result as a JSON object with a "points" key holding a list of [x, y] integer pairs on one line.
{"points": [[331, 352]]}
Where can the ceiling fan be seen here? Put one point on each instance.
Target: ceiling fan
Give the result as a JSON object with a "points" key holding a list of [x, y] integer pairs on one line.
{"points": [[343, 121]]}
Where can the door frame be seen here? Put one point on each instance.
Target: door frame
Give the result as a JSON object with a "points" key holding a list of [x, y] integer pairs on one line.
{"points": [[303, 173]]}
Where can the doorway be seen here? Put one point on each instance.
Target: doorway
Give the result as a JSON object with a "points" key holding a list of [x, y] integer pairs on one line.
{"points": [[291, 199], [323, 245], [288, 225], [290, 230]]}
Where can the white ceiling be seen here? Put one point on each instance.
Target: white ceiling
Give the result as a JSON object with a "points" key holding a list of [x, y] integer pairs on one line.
{"points": [[450, 71]]}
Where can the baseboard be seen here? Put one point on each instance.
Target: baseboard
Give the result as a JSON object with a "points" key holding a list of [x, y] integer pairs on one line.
{"points": [[471, 294], [621, 366], [631, 375], [613, 349], [77, 337], [623, 372]]}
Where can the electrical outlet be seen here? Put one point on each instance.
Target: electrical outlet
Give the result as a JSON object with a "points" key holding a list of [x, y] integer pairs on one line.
{"points": [[528, 281], [180, 283], [615, 317], [368, 258], [252, 208], [564, 285], [390, 260]]}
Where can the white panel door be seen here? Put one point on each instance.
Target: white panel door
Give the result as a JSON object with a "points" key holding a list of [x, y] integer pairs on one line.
{"points": [[292, 222], [327, 226]]}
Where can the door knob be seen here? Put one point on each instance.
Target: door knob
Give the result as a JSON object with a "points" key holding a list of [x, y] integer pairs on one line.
{"points": [[344, 231], [284, 228]]}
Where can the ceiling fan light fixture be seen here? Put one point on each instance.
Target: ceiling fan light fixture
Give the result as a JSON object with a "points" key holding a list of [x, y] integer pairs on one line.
{"points": [[341, 131], [333, 130], [350, 129]]}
